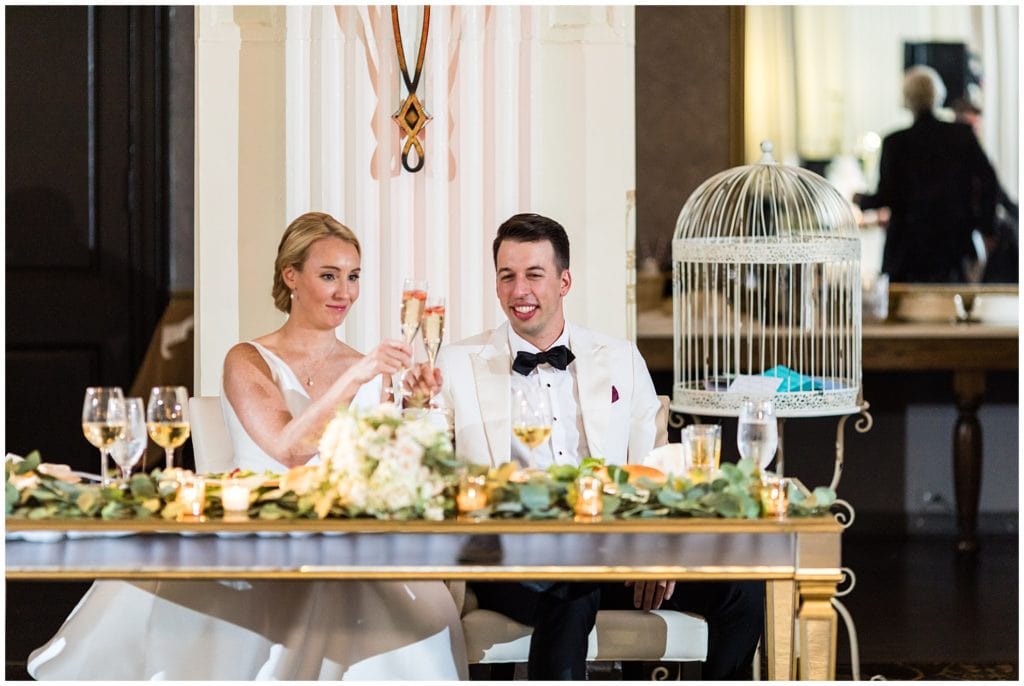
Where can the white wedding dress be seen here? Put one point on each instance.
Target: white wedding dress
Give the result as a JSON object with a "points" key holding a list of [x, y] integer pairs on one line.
{"points": [[259, 630]]}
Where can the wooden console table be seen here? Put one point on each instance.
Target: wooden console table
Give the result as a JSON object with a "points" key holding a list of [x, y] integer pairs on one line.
{"points": [[969, 351], [799, 559]]}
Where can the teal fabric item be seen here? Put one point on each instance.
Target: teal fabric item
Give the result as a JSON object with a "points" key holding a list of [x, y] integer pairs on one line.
{"points": [[794, 381]]}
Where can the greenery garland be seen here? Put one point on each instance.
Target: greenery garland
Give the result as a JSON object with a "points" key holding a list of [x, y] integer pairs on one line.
{"points": [[37, 490]]}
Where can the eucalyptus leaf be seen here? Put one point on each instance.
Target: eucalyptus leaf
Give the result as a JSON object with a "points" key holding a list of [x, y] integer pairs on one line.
{"points": [[747, 466], [11, 497], [142, 487], [29, 464], [669, 497], [563, 472], [724, 504], [609, 504], [535, 496], [824, 495], [39, 513]]}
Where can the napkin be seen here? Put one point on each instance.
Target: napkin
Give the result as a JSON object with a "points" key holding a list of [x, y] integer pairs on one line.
{"points": [[669, 458]]}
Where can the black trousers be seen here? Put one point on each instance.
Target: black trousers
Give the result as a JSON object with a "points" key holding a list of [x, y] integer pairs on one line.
{"points": [[563, 615]]}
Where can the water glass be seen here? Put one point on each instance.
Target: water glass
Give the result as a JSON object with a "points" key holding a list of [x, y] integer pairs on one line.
{"points": [[128, 449], [757, 435]]}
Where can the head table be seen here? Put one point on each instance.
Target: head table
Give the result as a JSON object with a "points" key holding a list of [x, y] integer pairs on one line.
{"points": [[798, 558]]}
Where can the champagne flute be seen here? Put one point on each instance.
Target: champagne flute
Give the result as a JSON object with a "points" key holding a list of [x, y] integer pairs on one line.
{"points": [[531, 419], [757, 435], [414, 296], [167, 418], [103, 421], [128, 449], [433, 330]]}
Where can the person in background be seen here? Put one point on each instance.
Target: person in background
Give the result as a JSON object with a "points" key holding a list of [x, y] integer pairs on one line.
{"points": [[603, 404], [938, 185], [1001, 239]]}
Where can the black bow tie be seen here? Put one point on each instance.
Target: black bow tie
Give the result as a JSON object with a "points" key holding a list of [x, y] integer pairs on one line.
{"points": [[558, 357]]}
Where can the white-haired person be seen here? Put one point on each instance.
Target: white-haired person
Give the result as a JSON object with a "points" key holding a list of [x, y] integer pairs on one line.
{"points": [[938, 185]]}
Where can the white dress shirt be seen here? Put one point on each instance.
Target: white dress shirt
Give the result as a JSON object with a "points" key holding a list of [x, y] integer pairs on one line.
{"points": [[568, 442]]}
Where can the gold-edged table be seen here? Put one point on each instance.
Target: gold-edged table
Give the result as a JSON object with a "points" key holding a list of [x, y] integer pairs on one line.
{"points": [[968, 351], [798, 558]]}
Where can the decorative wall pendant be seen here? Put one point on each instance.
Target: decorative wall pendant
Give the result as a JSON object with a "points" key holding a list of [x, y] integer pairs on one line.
{"points": [[411, 117]]}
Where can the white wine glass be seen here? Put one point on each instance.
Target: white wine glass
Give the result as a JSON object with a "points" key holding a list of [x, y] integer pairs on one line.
{"points": [[167, 418], [433, 328], [531, 419], [414, 297], [103, 421], [128, 449], [757, 435]]}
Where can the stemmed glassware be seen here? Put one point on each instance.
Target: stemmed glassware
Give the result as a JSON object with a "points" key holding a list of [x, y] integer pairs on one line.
{"points": [[531, 419], [757, 436], [128, 449], [167, 418], [414, 297], [103, 421]]}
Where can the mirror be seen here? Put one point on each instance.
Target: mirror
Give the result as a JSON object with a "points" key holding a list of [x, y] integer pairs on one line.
{"points": [[824, 84]]}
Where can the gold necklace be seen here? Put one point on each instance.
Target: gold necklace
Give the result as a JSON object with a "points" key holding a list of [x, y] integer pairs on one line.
{"points": [[316, 369]]}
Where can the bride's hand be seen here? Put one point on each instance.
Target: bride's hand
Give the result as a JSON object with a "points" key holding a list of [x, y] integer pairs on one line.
{"points": [[387, 358]]}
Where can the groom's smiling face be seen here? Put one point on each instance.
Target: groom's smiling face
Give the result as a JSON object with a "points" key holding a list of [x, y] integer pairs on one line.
{"points": [[530, 287]]}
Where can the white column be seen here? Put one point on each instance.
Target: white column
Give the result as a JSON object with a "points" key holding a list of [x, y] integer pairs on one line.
{"points": [[216, 193]]}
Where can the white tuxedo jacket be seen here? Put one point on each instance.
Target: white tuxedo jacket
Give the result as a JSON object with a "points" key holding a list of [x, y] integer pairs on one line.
{"points": [[478, 388]]}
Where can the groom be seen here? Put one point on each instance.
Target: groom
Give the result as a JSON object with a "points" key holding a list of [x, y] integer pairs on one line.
{"points": [[603, 404]]}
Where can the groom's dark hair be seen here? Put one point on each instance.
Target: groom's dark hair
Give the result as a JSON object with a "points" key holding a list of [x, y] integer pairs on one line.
{"points": [[533, 228]]}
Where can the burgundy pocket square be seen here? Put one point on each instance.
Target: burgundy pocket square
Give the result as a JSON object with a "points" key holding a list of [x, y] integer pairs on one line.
{"points": [[615, 394]]}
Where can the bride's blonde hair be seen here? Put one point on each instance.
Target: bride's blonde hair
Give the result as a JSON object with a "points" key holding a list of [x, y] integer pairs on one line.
{"points": [[293, 249]]}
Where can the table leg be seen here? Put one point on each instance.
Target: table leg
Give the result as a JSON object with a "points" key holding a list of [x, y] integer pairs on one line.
{"points": [[968, 387], [818, 629], [780, 601]]}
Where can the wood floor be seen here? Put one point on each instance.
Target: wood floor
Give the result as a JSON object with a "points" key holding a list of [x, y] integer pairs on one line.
{"points": [[916, 606]]}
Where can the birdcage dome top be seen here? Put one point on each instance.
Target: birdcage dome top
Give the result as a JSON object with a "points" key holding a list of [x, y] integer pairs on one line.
{"points": [[766, 212]]}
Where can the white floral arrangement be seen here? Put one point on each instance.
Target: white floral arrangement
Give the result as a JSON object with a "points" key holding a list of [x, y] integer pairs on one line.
{"points": [[377, 463]]}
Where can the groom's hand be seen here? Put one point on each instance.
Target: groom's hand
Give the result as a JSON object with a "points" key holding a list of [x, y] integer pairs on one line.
{"points": [[423, 382], [649, 595]]}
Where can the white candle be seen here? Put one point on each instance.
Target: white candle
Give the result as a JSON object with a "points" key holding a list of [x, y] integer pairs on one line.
{"points": [[191, 494], [235, 497]]}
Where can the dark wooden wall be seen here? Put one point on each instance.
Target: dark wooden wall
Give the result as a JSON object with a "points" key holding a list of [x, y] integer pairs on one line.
{"points": [[689, 105], [86, 229]]}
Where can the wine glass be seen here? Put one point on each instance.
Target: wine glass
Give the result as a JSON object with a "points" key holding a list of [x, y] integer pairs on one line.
{"points": [[414, 296], [757, 436], [167, 418], [531, 419], [127, 450], [103, 421]]}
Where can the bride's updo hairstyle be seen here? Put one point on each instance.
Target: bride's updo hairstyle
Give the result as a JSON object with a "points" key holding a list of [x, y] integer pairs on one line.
{"points": [[293, 250]]}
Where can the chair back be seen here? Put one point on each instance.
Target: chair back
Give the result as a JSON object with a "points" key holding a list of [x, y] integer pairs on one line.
{"points": [[210, 441], [661, 421]]}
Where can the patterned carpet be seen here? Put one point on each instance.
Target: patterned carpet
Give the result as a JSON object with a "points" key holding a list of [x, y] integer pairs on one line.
{"points": [[943, 671]]}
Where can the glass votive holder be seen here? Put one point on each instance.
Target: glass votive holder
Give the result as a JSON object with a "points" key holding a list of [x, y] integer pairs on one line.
{"points": [[472, 495], [588, 496], [234, 496], [192, 496], [774, 497], [702, 447]]}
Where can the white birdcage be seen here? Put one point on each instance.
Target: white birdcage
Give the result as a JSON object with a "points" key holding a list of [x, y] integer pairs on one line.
{"points": [[766, 279]]}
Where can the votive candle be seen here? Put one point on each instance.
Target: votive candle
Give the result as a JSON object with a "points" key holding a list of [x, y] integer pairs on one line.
{"points": [[775, 497], [235, 497], [192, 494], [588, 496], [472, 493]]}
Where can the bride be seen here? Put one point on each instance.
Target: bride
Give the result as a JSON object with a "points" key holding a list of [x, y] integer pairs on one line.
{"points": [[279, 391]]}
